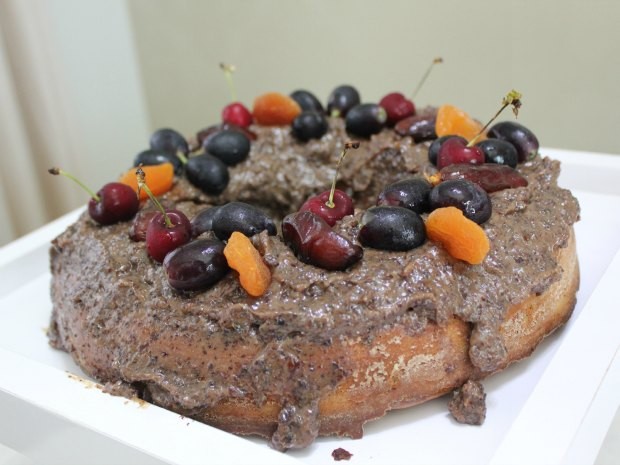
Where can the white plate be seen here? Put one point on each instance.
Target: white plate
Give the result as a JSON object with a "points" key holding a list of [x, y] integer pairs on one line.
{"points": [[538, 410]]}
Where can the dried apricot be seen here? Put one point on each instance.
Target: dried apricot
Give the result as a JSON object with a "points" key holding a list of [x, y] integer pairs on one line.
{"points": [[242, 256], [454, 121], [273, 109], [461, 237], [159, 178]]}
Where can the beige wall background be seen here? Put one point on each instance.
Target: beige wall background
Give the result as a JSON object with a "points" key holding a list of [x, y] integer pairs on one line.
{"points": [[84, 82]]}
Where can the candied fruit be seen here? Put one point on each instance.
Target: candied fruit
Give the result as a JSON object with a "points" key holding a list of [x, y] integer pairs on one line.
{"points": [[452, 121], [275, 109], [242, 256]]}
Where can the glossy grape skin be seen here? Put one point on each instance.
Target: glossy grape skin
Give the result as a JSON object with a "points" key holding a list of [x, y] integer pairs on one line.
{"points": [[391, 228], [309, 124], [242, 217], [117, 202], [204, 135], [489, 176], [197, 265], [343, 206], [208, 173], [229, 146], [140, 223], [468, 197], [161, 239], [518, 135], [203, 221], [419, 127], [168, 140], [341, 100], [155, 157], [307, 101], [499, 151], [433, 149], [408, 193], [314, 242], [365, 119]]}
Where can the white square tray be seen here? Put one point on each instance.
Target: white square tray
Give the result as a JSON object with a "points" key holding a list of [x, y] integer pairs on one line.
{"points": [[555, 407]]}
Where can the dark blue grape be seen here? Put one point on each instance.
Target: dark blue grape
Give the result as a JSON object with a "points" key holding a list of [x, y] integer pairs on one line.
{"points": [[499, 151], [207, 173], [169, 140], [242, 217], [308, 125], [365, 119], [341, 100], [433, 150], [392, 228], [197, 265], [155, 157], [468, 197], [230, 146], [409, 193], [203, 221], [518, 135], [307, 101]]}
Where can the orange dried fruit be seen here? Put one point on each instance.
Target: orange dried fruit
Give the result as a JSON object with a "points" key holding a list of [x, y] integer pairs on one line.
{"points": [[242, 256], [454, 121], [159, 178], [460, 236], [274, 109]]}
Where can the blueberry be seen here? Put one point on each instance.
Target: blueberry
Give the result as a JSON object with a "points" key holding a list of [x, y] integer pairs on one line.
{"points": [[169, 140], [197, 265], [156, 157], [470, 198], [230, 146], [409, 193], [392, 228], [499, 151], [307, 101], [207, 173], [518, 135], [365, 119], [308, 125], [242, 217], [341, 100], [433, 150]]}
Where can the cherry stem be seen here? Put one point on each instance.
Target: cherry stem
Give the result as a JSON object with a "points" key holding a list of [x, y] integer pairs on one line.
{"points": [[142, 185], [426, 74], [58, 171], [348, 145], [228, 71], [512, 98]]}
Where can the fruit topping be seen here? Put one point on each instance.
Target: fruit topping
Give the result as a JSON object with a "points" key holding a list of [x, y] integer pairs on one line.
{"points": [[234, 113], [275, 109], [421, 127], [454, 121], [140, 223], [203, 136], [242, 256], [499, 151], [341, 100], [397, 107], [307, 101], [161, 178], [332, 205], [433, 149], [168, 229], [468, 197], [168, 140], [113, 203], [518, 135], [155, 157], [230, 146], [203, 221], [489, 176], [309, 124], [461, 237], [456, 150], [242, 217], [365, 119], [314, 242], [409, 193], [196, 266], [391, 228], [208, 173]]}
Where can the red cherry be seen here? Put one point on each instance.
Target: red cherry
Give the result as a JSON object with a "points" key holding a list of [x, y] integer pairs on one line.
{"points": [[236, 113], [397, 107], [456, 150], [117, 202], [162, 238], [343, 206]]}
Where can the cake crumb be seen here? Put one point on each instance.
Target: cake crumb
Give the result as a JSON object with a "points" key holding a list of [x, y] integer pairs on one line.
{"points": [[468, 403], [341, 454]]}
